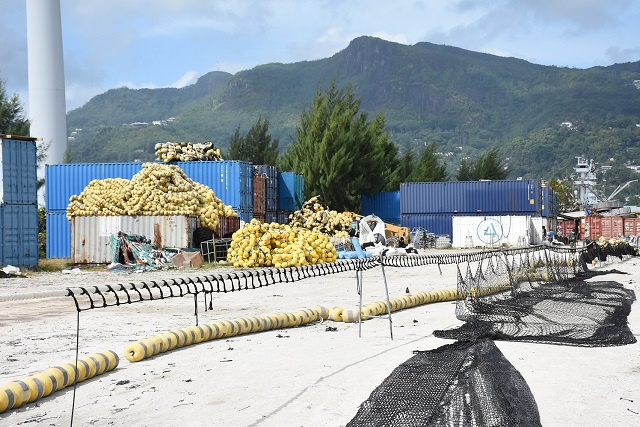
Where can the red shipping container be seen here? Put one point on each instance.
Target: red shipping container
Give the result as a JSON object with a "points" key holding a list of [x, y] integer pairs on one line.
{"points": [[612, 227], [594, 223], [227, 225], [631, 226], [259, 194]]}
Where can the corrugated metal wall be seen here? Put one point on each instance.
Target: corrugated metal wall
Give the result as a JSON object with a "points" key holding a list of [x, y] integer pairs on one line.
{"points": [[471, 197], [385, 205], [91, 235], [65, 180], [58, 235]]}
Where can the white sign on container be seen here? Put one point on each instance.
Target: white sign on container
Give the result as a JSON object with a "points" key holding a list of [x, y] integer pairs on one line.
{"points": [[491, 231], [91, 235]]}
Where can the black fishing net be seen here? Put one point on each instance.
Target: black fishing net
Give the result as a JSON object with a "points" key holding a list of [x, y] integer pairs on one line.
{"points": [[462, 384], [538, 296], [532, 294]]}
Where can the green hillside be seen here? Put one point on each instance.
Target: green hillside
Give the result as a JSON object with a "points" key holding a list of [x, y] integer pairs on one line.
{"points": [[465, 101]]}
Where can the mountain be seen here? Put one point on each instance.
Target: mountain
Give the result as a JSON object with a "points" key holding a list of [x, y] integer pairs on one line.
{"points": [[542, 116]]}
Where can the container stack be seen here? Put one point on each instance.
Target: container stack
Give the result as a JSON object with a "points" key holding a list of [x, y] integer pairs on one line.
{"points": [[231, 181], [508, 206], [290, 195], [271, 193], [18, 201], [385, 205]]}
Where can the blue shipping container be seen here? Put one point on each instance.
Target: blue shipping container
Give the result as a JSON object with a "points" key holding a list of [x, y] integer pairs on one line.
{"points": [[434, 223], [271, 216], [19, 232], [65, 180], [58, 235], [464, 197], [231, 181], [283, 217], [549, 202], [385, 205], [272, 185], [290, 191], [19, 171]]}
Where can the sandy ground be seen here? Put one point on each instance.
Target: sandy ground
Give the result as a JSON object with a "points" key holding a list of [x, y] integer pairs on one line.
{"points": [[304, 376]]}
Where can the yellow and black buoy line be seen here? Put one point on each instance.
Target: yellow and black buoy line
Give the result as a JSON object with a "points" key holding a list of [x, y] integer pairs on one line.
{"points": [[36, 386]]}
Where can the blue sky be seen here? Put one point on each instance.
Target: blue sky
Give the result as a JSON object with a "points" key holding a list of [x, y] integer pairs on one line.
{"points": [[163, 43]]}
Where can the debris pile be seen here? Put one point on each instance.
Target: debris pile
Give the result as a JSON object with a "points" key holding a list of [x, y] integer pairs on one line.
{"points": [[157, 189], [186, 152], [278, 245], [316, 216]]}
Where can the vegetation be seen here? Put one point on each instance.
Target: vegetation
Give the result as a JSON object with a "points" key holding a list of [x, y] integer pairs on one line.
{"points": [[488, 166], [12, 119], [256, 146], [429, 167], [338, 150], [541, 117]]}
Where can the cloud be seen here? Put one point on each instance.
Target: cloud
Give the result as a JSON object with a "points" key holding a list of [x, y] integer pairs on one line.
{"points": [[618, 55], [186, 79]]}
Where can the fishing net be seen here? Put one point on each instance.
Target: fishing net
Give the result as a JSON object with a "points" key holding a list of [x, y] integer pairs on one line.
{"points": [[531, 294], [538, 296], [462, 384]]}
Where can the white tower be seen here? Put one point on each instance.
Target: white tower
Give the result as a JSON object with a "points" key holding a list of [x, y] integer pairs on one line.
{"points": [[47, 107]]}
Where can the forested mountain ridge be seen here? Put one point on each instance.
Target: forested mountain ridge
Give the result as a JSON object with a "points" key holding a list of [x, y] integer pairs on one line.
{"points": [[465, 101]]}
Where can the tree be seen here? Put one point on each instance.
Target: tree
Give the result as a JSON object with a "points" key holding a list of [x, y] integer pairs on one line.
{"points": [[465, 170], [256, 146], [429, 167], [489, 166], [339, 151], [566, 201], [12, 119]]}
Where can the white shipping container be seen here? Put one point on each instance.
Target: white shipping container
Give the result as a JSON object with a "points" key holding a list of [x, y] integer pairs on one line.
{"points": [[91, 235], [492, 231]]}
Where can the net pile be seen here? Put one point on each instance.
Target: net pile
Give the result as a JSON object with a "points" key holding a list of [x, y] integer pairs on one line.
{"points": [[462, 384], [537, 296]]}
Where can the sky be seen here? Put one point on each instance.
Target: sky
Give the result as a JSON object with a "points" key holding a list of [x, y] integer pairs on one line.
{"points": [[170, 43]]}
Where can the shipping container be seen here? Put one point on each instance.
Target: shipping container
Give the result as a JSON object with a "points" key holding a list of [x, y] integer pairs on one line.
{"points": [[245, 215], [272, 185], [259, 194], [549, 202], [58, 235], [65, 180], [283, 217], [19, 232], [19, 171], [434, 223], [612, 227], [227, 226], [91, 235], [492, 231], [290, 191], [592, 224], [260, 218], [385, 205], [631, 226], [565, 227], [465, 197], [271, 216], [231, 181]]}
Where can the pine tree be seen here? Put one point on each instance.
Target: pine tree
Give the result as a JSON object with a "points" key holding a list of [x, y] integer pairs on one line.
{"points": [[12, 120], [256, 146], [339, 151], [429, 167]]}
